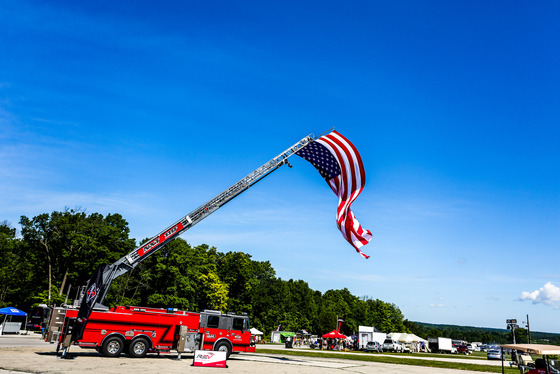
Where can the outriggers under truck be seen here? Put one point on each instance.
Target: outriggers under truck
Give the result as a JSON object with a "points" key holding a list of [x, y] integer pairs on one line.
{"points": [[139, 330]]}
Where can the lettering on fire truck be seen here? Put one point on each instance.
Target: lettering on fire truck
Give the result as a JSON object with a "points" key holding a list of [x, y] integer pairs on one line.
{"points": [[160, 239]]}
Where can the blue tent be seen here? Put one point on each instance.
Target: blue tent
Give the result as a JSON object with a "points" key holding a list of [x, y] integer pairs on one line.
{"points": [[6, 326], [12, 311]]}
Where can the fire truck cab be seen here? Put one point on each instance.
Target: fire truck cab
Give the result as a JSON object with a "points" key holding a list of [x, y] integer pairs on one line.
{"points": [[225, 332]]}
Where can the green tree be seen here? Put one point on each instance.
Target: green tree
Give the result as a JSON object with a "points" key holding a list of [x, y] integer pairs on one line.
{"points": [[39, 234], [302, 304], [337, 304], [236, 269], [63, 248], [215, 290], [15, 268], [174, 277], [267, 297], [102, 240], [68, 245], [521, 335], [326, 317], [385, 317]]}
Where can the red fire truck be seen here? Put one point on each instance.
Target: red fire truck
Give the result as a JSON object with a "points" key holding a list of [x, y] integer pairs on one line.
{"points": [[139, 330]]}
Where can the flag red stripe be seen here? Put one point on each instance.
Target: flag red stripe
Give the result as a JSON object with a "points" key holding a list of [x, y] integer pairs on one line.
{"points": [[342, 182], [348, 195], [347, 186]]}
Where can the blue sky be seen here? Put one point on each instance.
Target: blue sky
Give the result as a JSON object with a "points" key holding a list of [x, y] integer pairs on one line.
{"points": [[150, 109]]}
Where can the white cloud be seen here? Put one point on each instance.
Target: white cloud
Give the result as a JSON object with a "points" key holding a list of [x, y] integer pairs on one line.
{"points": [[549, 295], [439, 304]]}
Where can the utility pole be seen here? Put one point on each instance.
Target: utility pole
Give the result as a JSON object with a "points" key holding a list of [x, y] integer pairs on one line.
{"points": [[528, 330]]}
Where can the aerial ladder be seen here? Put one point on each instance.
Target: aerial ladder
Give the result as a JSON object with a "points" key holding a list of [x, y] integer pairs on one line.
{"points": [[156, 243], [99, 285], [150, 247]]}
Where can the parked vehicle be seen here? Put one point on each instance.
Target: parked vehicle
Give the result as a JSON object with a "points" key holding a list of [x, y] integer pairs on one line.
{"points": [[373, 346], [441, 345], [37, 318], [474, 346], [495, 354], [392, 345], [140, 330], [464, 350]]}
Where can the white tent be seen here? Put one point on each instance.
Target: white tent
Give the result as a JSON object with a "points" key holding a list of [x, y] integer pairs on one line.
{"points": [[407, 338], [254, 331], [414, 342]]}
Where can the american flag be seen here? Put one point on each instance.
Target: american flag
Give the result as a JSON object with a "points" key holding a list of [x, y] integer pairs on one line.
{"points": [[340, 164]]}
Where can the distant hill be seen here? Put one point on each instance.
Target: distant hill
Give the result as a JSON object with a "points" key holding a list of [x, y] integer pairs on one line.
{"points": [[482, 334], [462, 328]]}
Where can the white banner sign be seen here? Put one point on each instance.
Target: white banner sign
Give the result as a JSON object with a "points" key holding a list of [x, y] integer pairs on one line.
{"points": [[215, 359]]}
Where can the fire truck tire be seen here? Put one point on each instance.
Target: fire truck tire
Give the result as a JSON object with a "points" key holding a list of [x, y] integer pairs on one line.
{"points": [[112, 346], [139, 347], [223, 346]]}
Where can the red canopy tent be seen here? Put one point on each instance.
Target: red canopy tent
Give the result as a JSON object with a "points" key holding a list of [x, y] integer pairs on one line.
{"points": [[334, 334]]}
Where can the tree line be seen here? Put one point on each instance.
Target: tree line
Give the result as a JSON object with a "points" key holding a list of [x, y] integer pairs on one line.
{"points": [[482, 334], [56, 253]]}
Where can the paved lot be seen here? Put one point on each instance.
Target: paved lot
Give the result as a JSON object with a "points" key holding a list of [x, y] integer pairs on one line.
{"points": [[29, 354]]}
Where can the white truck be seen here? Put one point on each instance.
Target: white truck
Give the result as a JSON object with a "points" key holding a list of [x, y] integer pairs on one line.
{"points": [[391, 345], [441, 345], [368, 334]]}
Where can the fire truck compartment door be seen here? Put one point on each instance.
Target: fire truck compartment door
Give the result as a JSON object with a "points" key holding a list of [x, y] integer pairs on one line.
{"points": [[187, 340]]}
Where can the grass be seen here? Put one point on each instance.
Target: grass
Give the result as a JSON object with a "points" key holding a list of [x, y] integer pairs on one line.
{"points": [[393, 359], [474, 356]]}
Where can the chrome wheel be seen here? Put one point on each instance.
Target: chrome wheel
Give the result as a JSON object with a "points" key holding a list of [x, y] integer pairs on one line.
{"points": [[114, 347], [223, 347], [139, 347]]}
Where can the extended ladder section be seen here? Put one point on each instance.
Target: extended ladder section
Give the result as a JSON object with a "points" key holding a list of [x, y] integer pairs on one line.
{"points": [[131, 260]]}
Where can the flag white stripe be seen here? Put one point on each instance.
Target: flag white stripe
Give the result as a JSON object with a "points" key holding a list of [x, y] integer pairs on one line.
{"points": [[347, 185]]}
